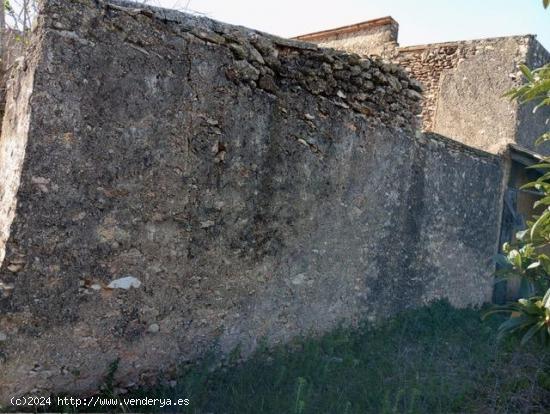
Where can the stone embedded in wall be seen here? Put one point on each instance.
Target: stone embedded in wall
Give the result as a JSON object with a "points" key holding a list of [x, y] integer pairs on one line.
{"points": [[187, 185]]}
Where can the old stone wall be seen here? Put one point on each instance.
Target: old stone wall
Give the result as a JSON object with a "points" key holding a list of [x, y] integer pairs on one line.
{"points": [[171, 184], [13, 47], [529, 124], [375, 37], [463, 85]]}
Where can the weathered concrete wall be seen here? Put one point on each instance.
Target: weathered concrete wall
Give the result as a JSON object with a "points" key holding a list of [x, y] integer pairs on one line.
{"points": [[254, 186]]}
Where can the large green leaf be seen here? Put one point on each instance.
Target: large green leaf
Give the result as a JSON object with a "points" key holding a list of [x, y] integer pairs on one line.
{"points": [[532, 331], [530, 316], [540, 166], [542, 220], [515, 324], [543, 138], [527, 73], [545, 201]]}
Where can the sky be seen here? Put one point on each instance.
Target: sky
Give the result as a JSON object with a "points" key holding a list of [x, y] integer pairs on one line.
{"points": [[421, 21]]}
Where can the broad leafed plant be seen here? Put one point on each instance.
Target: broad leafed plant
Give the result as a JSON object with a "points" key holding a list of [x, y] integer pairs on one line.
{"points": [[527, 257]]}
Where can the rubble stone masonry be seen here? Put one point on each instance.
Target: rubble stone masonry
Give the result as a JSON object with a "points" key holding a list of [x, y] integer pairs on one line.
{"points": [[463, 82], [171, 185]]}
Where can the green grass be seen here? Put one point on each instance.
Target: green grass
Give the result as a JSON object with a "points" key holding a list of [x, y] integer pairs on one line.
{"points": [[433, 360]]}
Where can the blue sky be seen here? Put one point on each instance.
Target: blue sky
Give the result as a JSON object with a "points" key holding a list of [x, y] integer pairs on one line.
{"points": [[421, 21]]}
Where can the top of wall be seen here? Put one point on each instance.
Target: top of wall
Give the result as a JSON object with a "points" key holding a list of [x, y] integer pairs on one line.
{"points": [[371, 38], [373, 88], [459, 43], [191, 21], [362, 28], [358, 28]]}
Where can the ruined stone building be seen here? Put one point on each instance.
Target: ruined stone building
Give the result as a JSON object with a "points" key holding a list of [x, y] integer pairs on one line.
{"points": [[463, 83], [170, 184]]}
